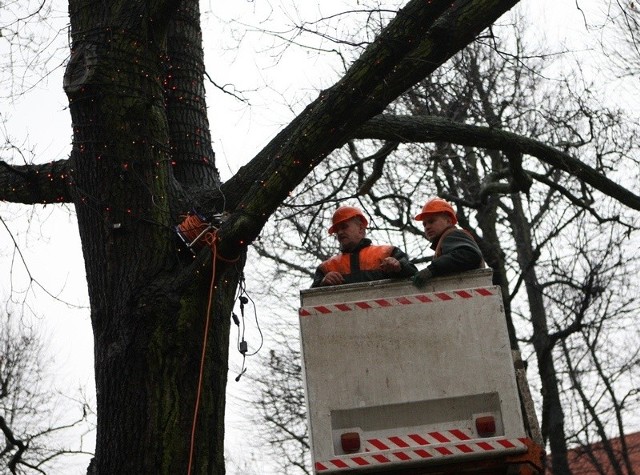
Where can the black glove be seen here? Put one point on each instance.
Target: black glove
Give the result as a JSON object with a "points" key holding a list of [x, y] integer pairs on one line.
{"points": [[420, 278]]}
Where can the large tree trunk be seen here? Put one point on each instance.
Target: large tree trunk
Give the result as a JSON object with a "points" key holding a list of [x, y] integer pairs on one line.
{"points": [[134, 121]]}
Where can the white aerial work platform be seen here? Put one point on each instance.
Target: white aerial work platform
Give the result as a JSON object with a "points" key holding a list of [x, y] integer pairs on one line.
{"points": [[414, 381]]}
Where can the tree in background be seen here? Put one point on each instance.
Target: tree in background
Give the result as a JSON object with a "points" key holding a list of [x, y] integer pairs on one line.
{"points": [[281, 407], [556, 246], [35, 431]]}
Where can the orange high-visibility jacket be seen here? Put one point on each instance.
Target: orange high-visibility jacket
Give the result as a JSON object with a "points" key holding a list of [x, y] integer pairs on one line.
{"points": [[369, 258], [363, 264]]}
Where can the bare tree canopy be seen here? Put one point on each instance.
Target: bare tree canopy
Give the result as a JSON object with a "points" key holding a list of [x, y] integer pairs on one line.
{"points": [[472, 133], [34, 428]]}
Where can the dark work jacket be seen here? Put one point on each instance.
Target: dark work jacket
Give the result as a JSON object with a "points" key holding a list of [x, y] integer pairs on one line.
{"points": [[363, 264], [456, 251]]}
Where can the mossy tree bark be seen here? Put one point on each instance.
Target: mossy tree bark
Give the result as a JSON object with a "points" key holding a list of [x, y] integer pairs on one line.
{"points": [[141, 138]]}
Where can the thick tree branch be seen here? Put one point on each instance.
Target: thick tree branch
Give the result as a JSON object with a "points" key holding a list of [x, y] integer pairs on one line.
{"points": [[36, 184], [430, 129], [417, 41]]}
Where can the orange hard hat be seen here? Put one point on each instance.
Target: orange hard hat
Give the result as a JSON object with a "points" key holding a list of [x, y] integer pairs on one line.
{"points": [[437, 205], [343, 213]]}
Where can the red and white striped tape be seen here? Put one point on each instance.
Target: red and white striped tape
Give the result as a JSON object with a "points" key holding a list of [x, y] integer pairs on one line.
{"points": [[396, 301], [417, 440], [460, 445]]}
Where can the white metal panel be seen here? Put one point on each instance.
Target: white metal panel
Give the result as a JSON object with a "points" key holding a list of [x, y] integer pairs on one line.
{"points": [[380, 355]]}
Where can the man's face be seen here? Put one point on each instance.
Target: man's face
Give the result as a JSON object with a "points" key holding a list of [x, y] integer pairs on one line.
{"points": [[435, 225], [349, 233]]}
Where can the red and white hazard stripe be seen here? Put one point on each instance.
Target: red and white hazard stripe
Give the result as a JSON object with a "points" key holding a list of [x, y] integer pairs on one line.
{"points": [[397, 301], [406, 449], [417, 440]]}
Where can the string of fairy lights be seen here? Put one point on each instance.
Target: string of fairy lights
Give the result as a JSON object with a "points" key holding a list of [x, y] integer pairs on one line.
{"points": [[152, 159]]}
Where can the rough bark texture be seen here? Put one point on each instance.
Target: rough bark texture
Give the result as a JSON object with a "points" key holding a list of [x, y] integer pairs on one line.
{"points": [[191, 148], [148, 303]]}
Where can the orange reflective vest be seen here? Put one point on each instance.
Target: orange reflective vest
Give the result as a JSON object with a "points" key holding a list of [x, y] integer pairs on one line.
{"points": [[368, 258]]}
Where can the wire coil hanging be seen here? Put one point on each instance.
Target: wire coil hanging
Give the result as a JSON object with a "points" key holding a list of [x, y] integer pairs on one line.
{"points": [[196, 232]]}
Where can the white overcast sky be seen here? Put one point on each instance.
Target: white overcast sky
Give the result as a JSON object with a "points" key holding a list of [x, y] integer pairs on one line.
{"points": [[40, 120]]}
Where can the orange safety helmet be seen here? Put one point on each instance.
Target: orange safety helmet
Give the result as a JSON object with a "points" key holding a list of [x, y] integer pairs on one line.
{"points": [[437, 205], [343, 213]]}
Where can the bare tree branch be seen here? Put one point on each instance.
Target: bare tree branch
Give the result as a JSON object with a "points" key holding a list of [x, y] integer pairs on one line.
{"points": [[431, 129], [413, 45], [31, 184]]}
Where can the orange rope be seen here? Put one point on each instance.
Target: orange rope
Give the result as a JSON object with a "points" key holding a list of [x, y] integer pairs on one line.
{"points": [[211, 239], [193, 229]]}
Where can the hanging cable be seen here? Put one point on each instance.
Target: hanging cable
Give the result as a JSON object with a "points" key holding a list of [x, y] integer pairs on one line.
{"points": [[212, 243], [197, 232], [243, 298]]}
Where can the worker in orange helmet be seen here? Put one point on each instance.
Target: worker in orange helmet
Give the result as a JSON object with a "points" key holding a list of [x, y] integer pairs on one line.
{"points": [[359, 260], [455, 249]]}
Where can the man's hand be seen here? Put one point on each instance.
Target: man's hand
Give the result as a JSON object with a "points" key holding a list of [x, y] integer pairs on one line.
{"points": [[421, 277], [332, 278], [390, 265]]}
